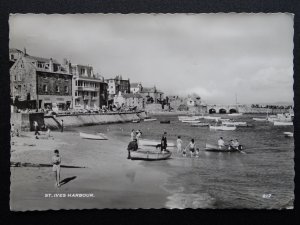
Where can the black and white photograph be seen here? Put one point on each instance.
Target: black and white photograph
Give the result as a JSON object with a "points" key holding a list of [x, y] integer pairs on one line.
{"points": [[151, 111]]}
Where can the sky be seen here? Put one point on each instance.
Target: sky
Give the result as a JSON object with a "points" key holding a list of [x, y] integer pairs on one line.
{"points": [[217, 56]]}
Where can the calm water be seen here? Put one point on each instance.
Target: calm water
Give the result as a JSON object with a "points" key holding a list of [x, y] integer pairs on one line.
{"points": [[262, 178]]}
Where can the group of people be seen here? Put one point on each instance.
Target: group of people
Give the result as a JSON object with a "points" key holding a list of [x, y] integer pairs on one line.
{"points": [[191, 147], [232, 144]]}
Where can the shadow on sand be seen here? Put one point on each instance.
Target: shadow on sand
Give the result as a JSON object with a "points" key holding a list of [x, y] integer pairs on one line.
{"points": [[67, 180]]}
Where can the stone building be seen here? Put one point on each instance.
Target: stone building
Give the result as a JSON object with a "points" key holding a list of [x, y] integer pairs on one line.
{"points": [[135, 88], [116, 85], [89, 89], [40, 83], [129, 100], [152, 95]]}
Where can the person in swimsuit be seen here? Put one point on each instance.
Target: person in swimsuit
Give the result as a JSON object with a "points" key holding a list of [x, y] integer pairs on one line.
{"points": [[179, 144], [132, 135], [192, 147], [56, 160]]}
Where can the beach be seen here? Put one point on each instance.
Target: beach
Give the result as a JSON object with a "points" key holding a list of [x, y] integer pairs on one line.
{"points": [[109, 180]]}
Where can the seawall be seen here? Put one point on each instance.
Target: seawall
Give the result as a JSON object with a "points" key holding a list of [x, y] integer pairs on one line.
{"points": [[91, 119]]}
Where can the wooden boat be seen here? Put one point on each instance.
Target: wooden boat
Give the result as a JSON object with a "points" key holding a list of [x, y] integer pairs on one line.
{"points": [[260, 119], [224, 128], [149, 119], [200, 125], [282, 123], [190, 121], [98, 136], [288, 134], [136, 121], [222, 119], [211, 117], [149, 155], [165, 121], [153, 143], [214, 148], [234, 123]]}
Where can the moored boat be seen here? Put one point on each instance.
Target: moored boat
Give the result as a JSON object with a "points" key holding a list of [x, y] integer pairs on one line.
{"points": [[235, 114], [234, 123], [288, 134], [214, 148], [212, 117], [200, 124], [224, 128], [190, 121], [260, 119], [165, 121], [98, 136], [136, 121], [149, 155], [149, 119], [282, 123]]}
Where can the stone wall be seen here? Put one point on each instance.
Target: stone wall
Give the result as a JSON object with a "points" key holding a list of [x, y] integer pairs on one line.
{"points": [[24, 121]]}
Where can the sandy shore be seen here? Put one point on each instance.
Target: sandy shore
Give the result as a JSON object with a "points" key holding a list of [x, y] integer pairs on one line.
{"points": [[108, 181]]}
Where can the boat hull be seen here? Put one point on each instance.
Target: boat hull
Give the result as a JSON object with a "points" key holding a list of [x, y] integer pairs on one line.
{"points": [[92, 136], [222, 128], [279, 123], [153, 143], [214, 148], [149, 155]]}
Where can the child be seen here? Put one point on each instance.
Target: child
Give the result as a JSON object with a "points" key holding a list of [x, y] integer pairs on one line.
{"points": [[56, 160], [179, 144], [197, 152], [192, 147]]}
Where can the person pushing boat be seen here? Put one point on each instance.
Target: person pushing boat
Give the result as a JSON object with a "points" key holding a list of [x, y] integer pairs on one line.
{"points": [[132, 146], [163, 142]]}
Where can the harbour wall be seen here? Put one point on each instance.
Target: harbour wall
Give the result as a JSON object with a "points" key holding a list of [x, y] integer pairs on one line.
{"points": [[24, 121]]}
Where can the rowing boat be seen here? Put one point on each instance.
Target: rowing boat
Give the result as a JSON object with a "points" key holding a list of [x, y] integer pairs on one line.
{"points": [[200, 125], [260, 119], [165, 121], [235, 114], [214, 148], [150, 119], [153, 143], [234, 123], [149, 155], [224, 128], [211, 117], [98, 136], [288, 134], [282, 123], [135, 121], [190, 121]]}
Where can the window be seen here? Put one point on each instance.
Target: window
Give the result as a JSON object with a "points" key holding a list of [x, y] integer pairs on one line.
{"points": [[82, 71], [45, 88], [40, 65], [66, 89], [76, 93], [12, 57], [57, 89]]}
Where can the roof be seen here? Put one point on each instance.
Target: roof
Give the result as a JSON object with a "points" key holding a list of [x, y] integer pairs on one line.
{"points": [[14, 50], [134, 85], [150, 90], [131, 95], [41, 59]]}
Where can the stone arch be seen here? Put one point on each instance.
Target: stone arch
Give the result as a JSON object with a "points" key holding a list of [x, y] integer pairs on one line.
{"points": [[232, 111], [212, 111], [222, 111]]}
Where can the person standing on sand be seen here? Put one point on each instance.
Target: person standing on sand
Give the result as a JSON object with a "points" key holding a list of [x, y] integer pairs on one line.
{"points": [[62, 126], [12, 130], [179, 144], [133, 146], [138, 136], [56, 160], [164, 142], [192, 147], [36, 128], [132, 135]]}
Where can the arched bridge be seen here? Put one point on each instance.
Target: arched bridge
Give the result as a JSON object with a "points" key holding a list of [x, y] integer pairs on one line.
{"points": [[222, 109]]}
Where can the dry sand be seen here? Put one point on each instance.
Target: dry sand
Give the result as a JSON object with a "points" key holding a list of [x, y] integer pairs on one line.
{"points": [[111, 180]]}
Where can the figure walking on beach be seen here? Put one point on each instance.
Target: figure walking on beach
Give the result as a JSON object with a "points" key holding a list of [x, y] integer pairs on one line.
{"points": [[192, 147], [138, 136], [36, 128], [62, 126], [163, 142], [179, 144], [133, 134], [56, 160]]}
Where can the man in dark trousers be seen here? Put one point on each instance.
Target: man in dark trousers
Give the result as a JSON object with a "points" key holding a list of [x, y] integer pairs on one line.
{"points": [[133, 146], [62, 126], [163, 142]]}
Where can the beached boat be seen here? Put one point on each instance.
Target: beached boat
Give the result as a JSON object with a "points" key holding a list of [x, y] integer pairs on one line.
{"points": [[98, 136], [165, 121], [149, 119], [214, 148], [282, 123], [136, 121], [224, 128], [234, 123], [149, 155], [190, 118], [190, 121], [288, 134], [260, 119], [153, 143], [272, 118], [200, 125], [223, 119], [212, 117]]}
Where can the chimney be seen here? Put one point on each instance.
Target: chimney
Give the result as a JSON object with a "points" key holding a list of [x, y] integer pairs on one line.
{"points": [[25, 51], [51, 65]]}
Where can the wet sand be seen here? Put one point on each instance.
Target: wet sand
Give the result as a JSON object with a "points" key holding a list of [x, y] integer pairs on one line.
{"points": [[109, 179]]}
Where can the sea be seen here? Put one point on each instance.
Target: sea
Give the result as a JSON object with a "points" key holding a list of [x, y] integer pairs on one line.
{"points": [[263, 178]]}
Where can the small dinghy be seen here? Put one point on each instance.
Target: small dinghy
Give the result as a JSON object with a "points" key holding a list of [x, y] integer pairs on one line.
{"points": [[149, 155], [200, 125], [260, 119], [214, 148], [149, 119], [136, 121], [288, 134], [98, 136], [153, 143], [282, 123], [235, 114], [165, 121], [224, 128], [191, 121]]}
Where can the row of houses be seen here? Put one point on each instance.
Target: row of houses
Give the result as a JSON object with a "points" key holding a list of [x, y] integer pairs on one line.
{"points": [[44, 83]]}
